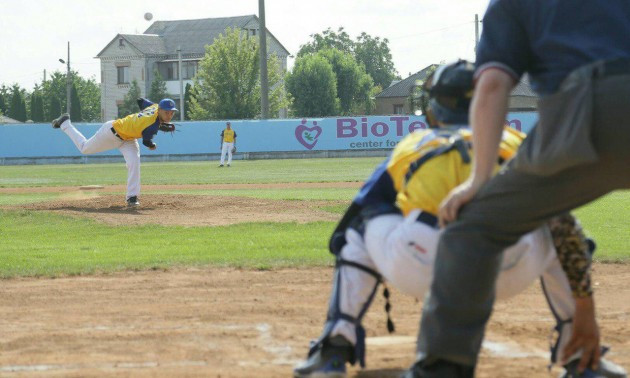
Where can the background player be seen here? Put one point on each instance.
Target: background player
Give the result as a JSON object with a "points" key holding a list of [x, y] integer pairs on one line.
{"points": [[123, 134], [228, 143], [390, 232]]}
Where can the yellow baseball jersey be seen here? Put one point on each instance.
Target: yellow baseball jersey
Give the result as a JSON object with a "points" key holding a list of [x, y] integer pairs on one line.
{"points": [[426, 165], [135, 125], [228, 135]]}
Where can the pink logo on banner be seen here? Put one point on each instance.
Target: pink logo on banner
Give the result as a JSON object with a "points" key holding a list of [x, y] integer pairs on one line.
{"points": [[307, 136]]}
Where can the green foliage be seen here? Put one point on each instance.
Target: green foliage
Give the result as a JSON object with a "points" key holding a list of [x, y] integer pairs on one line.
{"points": [[372, 52], [3, 105], [375, 55], [129, 104], [37, 107], [353, 83], [328, 39], [187, 96], [17, 107], [75, 108], [313, 86], [158, 88], [89, 92], [54, 108], [227, 84]]}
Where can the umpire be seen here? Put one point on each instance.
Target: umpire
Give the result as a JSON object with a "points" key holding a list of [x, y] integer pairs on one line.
{"points": [[577, 53]]}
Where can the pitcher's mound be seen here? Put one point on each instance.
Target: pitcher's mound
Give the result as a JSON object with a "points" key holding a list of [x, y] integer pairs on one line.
{"points": [[190, 210]]}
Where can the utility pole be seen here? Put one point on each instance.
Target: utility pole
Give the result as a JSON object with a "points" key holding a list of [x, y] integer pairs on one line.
{"points": [[264, 80], [68, 83], [44, 75], [181, 83], [476, 31]]}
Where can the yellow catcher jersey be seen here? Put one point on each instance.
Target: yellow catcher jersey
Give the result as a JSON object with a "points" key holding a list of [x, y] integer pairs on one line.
{"points": [[132, 126], [425, 166]]}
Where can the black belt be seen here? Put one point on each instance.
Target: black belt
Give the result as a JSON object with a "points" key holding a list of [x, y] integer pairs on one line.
{"points": [[428, 219], [115, 133], [613, 67]]}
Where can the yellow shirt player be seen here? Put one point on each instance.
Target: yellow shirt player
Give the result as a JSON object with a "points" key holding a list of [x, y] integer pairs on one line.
{"points": [[123, 134], [228, 144]]}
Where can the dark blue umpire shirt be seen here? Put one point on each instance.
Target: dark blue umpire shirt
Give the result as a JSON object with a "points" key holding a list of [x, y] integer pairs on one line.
{"points": [[550, 38]]}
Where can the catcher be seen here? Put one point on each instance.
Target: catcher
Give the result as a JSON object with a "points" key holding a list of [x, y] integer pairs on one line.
{"points": [[389, 233], [123, 134]]}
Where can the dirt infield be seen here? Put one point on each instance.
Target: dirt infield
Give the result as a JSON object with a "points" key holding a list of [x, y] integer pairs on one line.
{"points": [[240, 323]]}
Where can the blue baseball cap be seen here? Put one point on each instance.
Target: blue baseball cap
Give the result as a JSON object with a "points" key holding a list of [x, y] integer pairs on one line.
{"points": [[167, 104]]}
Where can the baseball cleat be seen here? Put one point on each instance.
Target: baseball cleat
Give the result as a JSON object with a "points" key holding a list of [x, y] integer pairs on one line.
{"points": [[133, 201], [329, 361], [220, 165], [606, 369], [56, 123]]}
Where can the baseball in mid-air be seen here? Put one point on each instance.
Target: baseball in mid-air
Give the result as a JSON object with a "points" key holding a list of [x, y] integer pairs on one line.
{"points": [[148, 16]]}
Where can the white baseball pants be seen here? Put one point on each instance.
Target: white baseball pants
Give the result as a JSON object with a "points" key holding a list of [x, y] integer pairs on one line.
{"points": [[403, 251], [226, 148], [105, 140]]}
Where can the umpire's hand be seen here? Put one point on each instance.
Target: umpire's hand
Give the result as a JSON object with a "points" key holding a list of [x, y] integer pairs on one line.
{"points": [[457, 198]]}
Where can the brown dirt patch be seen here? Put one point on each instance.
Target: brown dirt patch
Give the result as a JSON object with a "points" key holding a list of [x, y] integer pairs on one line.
{"points": [[186, 210], [240, 323]]}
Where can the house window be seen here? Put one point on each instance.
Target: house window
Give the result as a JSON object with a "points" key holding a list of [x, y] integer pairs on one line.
{"points": [[123, 74], [253, 32], [189, 69], [398, 108], [171, 71]]}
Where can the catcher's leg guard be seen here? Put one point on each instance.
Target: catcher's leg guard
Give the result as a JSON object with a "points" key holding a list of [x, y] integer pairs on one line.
{"points": [[354, 285]]}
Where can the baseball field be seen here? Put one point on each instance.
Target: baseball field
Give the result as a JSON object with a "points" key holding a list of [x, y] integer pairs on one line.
{"points": [[224, 272]]}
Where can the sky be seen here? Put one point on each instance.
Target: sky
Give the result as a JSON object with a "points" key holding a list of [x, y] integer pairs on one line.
{"points": [[420, 32]]}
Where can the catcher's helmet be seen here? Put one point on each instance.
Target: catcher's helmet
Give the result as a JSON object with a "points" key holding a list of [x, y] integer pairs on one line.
{"points": [[447, 92]]}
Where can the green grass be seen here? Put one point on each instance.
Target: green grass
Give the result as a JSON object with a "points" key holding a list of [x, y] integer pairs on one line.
{"points": [[607, 220], [44, 244], [37, 243], [246, 171]]}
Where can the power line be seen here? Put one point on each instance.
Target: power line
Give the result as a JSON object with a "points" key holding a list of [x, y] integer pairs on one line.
{"points": [[433, 31]]}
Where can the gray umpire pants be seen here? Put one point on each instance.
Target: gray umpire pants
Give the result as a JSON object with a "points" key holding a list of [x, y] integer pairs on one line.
{"points": [[510, 205]]}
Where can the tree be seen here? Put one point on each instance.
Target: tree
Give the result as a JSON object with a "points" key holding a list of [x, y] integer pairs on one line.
{"points": [[89, 93], [227, 84], [375, 55], [353, 84], [75, 108], [3, 105], [17, 110], [37, 106], [53, 109], [326, 40], [129, 104], [158, 88], [372, 52], [313, 86], [187, 95]]}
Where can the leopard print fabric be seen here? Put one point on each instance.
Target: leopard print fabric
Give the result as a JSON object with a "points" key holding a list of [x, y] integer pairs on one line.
{"points": [[572, 249]]}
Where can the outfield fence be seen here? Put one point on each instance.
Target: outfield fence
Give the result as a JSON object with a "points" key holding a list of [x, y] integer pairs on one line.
{"points": [[256, 139]]}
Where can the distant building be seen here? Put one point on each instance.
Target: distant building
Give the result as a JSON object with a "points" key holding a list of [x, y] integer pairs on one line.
{"points": [[131, 57], [395, 98]]}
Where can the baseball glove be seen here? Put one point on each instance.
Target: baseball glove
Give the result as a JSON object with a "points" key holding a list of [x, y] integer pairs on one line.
{"points": [[167, 127], [234, 149]]}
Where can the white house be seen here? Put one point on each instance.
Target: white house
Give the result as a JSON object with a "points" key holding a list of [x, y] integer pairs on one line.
{"points": [[131, 57]]}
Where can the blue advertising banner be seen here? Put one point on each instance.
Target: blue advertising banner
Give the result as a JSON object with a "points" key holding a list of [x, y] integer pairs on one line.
{"points": [[203, 137]]}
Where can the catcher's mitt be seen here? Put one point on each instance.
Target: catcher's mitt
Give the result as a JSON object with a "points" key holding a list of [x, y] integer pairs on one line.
{"points": [[167, 127], [234, 149]]}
